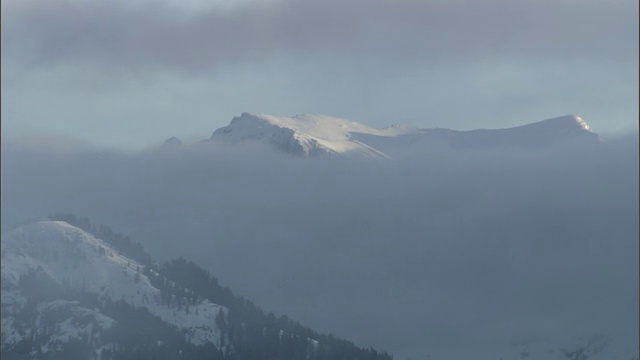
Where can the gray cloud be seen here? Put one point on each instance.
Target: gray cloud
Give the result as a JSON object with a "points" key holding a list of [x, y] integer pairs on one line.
{"points": [[155, 34]]}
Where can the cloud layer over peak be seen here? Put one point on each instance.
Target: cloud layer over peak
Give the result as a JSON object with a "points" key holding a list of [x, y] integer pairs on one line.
{"points": [[160, 34]]}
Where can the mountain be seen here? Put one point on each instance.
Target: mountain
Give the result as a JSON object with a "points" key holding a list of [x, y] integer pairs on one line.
{"points": [[313, 135], [67, 293]]}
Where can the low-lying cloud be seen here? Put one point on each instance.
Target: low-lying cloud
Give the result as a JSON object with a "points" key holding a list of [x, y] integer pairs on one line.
{"points": [[453, 255]]}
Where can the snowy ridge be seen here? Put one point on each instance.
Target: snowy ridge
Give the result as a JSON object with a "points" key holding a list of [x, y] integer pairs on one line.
{"points": [[312, 135], [72, 256]]}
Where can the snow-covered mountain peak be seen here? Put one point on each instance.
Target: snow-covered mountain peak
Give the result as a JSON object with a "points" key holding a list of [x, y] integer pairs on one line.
{"points": [[304, 135], [322, 126], [308, 135]]}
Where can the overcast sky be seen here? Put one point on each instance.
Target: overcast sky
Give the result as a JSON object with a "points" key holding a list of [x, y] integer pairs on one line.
{"points": [[133, 73]]}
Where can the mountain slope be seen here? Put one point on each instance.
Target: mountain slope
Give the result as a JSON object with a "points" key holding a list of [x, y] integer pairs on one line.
{"points": [[68, 294], [69, 255]]}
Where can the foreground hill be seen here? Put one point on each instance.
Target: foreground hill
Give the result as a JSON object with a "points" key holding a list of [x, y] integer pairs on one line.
{"points": [[68, 293]]}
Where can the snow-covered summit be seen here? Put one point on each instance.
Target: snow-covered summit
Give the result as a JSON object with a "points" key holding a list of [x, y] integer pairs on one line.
{"points": [[304, 134], [310, 135]]}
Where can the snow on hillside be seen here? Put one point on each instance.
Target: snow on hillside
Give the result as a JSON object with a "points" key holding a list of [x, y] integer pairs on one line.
{"points": [[75, 322], [72, 256]]}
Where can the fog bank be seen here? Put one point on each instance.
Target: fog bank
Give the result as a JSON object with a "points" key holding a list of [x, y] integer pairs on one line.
{"points": [[451, 254]]}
